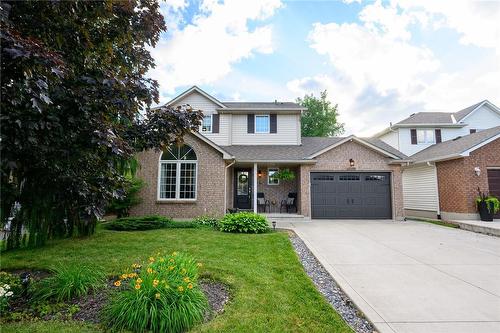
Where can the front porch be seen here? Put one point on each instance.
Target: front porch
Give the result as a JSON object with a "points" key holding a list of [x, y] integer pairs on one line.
{"points": [[252, 187]]}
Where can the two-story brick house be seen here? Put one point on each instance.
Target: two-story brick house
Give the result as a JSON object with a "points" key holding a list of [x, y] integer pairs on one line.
{"points": [[451, 154], [230, 162]]}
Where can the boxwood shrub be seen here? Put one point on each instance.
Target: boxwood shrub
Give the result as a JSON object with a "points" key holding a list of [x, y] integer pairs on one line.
{"points": [[147, 223], [244, 222]]}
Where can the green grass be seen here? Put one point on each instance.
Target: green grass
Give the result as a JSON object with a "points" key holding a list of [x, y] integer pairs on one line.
{"points": [[48, 327], [270, 291], [437, 222]]}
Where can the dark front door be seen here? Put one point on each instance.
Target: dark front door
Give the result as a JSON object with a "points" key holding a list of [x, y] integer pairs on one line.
{"points": [[351, 195], [494, 185], [243, 188]]}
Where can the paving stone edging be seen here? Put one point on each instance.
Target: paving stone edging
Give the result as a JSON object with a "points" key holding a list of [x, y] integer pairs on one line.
{"points": [[327, 286]]}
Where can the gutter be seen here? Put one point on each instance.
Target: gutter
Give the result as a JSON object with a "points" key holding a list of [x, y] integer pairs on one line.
{"points": [[279, 161]]}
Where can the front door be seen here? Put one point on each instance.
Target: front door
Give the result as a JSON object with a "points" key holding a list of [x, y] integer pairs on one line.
{"points": [[243, 188]]}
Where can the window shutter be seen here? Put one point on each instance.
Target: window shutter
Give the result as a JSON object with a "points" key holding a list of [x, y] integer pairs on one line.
{"points": [[438, 135], [273, 123], [250, 123], [413, 134], [215, 123], [472, 130]]}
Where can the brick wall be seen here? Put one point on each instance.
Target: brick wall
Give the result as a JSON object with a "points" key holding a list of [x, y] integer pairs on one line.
{"points": [[210, 190], [279, 192], [458, 182], [337, 159]]}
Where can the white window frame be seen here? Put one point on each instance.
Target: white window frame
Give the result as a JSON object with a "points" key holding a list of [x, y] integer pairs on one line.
{"points": [[211, 124], [425, 136], [269, 176], [177, 180], [268, 123]]}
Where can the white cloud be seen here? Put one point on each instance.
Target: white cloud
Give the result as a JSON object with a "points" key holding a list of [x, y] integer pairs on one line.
{"points": [[205, 50], [380, 74]]}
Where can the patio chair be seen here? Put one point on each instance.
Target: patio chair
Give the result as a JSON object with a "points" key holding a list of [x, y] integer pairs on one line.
{"points": [[262, 203], [289, 203]]}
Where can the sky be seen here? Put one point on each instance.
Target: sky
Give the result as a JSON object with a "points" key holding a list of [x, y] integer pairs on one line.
{"points": [[380, 61]]}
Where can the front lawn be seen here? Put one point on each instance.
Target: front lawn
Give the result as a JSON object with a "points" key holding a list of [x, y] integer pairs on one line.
{"points": [[269, 289]]}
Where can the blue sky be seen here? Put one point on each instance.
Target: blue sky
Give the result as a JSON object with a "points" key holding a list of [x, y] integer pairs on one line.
{"points": [[379, 61]]}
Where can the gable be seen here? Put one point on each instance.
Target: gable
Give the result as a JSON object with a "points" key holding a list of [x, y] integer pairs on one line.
{"points": [[484, 117], [197, 102]]}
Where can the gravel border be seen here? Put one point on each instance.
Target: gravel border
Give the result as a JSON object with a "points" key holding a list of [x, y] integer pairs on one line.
{"points": [[327, 286]]}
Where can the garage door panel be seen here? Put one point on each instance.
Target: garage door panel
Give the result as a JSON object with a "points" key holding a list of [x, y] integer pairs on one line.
{"points": [[353, 195]]}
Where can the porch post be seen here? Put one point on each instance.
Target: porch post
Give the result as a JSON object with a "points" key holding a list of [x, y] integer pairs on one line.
{"points": [[255, 187]]}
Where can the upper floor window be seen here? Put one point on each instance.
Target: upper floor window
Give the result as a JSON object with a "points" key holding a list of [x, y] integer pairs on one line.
{"points": [[271, 176], [206, 125], [425, 136], [262, 123], [177, 173]]}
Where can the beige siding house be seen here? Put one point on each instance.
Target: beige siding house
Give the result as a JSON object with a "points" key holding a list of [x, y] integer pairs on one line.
{"points": [[231, 164]]}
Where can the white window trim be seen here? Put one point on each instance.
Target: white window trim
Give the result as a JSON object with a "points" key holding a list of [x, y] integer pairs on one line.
{"points": [[211, 124], [425, 136], [177, 180], [268, 123], [272, 184]]}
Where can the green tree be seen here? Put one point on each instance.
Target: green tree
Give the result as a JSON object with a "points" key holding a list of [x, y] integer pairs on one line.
{"points": [[320, 119], [73, 87]]}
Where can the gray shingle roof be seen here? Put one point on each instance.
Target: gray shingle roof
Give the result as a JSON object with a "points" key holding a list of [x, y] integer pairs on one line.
{"points": [[262, 105], [438, 117], [310, 145], [427, 118], [455, 146]]}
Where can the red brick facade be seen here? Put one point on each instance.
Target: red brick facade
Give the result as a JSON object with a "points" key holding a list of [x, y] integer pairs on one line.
{"points": [[458, 182], [366, 159], [210, 190]]}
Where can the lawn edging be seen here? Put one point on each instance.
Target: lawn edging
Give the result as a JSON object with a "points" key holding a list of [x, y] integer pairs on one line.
{"points": [[479, 229]]}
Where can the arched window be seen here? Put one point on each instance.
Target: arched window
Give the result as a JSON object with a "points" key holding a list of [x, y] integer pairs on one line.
{"points": [[177, 174]]}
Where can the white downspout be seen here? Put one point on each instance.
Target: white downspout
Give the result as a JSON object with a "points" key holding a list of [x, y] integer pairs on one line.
{"points": [[255, 187], [225, 184]]}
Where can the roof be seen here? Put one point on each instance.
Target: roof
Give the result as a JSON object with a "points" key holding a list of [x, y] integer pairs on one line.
{"points": [[303, 152], [263, 105], [442, 119], [456, 148]]}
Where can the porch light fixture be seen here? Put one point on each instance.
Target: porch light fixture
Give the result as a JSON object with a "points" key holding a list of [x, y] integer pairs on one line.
{"points": [[274, 225], [477, 171], [351, 163], [259, 173]]}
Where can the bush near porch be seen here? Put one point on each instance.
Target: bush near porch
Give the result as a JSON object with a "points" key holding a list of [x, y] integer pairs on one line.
{"points": [[269, 288]]}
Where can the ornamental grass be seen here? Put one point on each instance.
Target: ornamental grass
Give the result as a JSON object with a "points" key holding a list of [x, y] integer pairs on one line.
{"points": [[161, 296]]}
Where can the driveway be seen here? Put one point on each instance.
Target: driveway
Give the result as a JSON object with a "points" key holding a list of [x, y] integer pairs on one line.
{"points": [[412, 276]]}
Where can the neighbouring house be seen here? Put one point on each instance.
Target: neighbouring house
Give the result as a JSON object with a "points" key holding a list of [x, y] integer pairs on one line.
{"points": [[423, 129], [442, 180], [232, 161]]}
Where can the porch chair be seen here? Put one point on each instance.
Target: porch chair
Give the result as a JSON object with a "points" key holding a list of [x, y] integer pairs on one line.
{"points": [[289, 203], [262, 203]]}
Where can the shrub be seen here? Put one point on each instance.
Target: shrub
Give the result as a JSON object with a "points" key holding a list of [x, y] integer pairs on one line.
{"points": [[163, 296], [245, 222], [121, 207], [67, 282], [207, 220], [139, 223]]}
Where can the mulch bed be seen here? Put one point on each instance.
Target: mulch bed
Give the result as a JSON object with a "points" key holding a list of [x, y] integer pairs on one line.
{"points": [[91, 305]]}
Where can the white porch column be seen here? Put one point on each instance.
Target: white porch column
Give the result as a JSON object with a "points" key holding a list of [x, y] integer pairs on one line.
{"points": [[254, 187]]}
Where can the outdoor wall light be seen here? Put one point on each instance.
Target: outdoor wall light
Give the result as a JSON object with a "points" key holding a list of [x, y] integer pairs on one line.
{"points": [[477, 171], [259, 173], [351, 163]]}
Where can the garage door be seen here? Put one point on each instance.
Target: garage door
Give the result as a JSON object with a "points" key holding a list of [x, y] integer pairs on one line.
{"points": [[494, 185], [355, 195]]}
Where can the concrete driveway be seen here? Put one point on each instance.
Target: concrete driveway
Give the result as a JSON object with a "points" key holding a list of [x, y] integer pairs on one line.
{"points": [[412, 276]]}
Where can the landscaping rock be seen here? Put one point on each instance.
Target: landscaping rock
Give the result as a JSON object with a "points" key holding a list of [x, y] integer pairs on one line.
{"points": [[327, 286]]}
